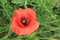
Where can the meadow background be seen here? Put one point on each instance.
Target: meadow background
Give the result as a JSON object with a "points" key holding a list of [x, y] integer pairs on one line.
{"points": [[48, 15]]}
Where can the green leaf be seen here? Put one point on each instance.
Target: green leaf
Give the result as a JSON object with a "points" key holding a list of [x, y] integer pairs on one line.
{"points": [[3, 1], [18, 1]]}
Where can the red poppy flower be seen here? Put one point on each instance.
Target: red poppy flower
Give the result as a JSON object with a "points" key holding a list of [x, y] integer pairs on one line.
{"points": [[24, 22]]}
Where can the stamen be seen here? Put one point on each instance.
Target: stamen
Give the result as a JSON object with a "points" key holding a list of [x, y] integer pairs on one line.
{"points": [[25, 21]]}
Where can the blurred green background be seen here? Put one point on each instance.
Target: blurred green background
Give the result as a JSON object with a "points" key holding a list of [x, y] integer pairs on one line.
{"points": [[48, 14]]}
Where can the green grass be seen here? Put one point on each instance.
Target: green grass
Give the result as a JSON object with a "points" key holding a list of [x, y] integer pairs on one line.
{"points": [[48, 15]]}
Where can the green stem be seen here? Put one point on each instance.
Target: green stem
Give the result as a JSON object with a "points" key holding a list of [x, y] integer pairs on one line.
{"points": [[25, 5]]}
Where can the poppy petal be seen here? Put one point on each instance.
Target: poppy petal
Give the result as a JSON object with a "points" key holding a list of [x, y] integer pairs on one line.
{"points": [[25, 31], [30, 29], [31, 12], [18, 11]]}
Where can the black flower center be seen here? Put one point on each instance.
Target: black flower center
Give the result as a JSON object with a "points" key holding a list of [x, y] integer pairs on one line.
{"points": [[25, 21]]}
